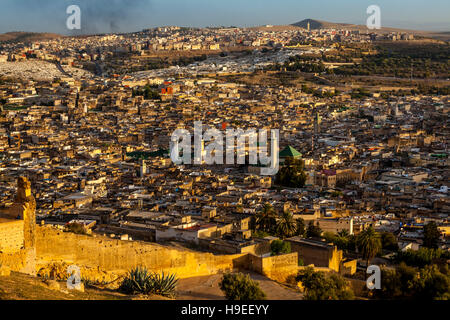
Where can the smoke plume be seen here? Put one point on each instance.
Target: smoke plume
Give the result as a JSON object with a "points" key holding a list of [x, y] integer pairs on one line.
{"points": [[97, 16]]}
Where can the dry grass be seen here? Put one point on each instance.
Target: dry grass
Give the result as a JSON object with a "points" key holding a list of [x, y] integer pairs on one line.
{"points": [[23, 287]]}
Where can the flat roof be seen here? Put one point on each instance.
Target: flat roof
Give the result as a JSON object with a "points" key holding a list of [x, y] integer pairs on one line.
{"points": [[310, 242]]}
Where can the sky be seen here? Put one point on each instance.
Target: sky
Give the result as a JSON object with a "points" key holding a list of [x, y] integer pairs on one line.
{"points": [[104, 16]]}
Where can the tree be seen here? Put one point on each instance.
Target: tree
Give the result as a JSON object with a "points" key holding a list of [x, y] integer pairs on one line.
{"points": [[292, 174], [266, 218], [321, 286], [422, 257], [405, 283], [343, 240], [369, 243], [300, 230], [389, 241], [395, 283], [431, 236], [241, 287], [313, 231], [343, 233], [278, 247], [286, 225], [431, 283], [148, 93]]}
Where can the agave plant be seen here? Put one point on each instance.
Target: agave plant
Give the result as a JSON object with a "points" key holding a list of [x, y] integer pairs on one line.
{"points": [[164, 285], [138, 280]]}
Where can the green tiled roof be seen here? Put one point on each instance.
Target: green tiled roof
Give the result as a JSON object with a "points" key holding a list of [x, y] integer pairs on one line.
{"points": [[290, 152]]}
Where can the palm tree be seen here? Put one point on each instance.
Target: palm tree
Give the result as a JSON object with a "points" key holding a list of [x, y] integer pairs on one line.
{"points": [[343, 233], [369, 241], [343, 239], [265, 219], [286, 225]]}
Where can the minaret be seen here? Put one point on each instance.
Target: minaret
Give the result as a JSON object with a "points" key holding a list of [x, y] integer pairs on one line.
{"points": [[77, 100], [316, 123], [143, 168], [316, 130], [309, 26]]}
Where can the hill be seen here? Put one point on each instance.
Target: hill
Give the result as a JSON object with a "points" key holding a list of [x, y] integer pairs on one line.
{"points": [[27, 36], [319, 24]]}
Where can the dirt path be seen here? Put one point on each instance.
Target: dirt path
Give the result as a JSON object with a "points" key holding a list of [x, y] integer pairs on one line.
{"points": [[207, 288]]}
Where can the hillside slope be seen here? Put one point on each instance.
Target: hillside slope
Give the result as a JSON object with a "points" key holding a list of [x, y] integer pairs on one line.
{"points": [[27, 36], [19, 286]]}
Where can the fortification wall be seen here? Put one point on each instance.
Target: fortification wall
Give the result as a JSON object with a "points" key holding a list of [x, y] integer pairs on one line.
{"points": [[20, 261], [17, 237], [277, 268], [118, 256], [318, 256], [11, 236]]}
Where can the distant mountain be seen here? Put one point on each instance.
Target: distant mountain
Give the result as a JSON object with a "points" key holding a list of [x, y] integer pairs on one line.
{"points": [[27, 36], [318, 24]]}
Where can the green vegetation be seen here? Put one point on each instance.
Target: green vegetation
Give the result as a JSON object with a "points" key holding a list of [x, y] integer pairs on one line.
{"points": [[389, 241], [278, 247], [360, 93], [265, 223], [265, 220], [403, 60], [184, 61], [292, 174], [300, 229], [422, 257], [310, 67], [140, 281], [302, 63], [369, 242], [241, 287], [343, 240], [286, 225], [13, 107], [430, 90], [313, 231], [322, 286], [431, 236], [148, 92], [260, 234], [318, 93], [404, 283]]}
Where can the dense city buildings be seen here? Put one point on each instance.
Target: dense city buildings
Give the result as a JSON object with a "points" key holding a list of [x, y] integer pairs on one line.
{"points": [[87, 122]]}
